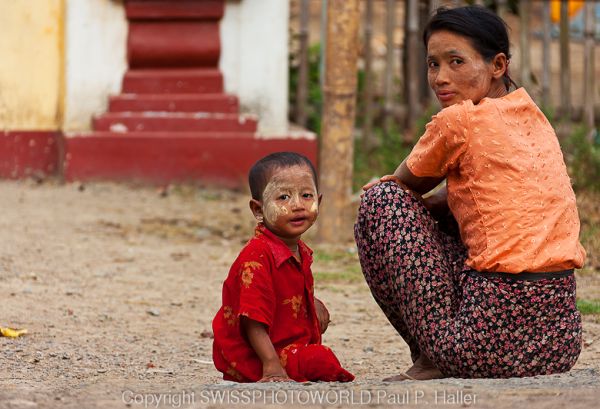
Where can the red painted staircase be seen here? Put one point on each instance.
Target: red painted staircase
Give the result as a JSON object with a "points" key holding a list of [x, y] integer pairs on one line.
{"points": [[173, 121]]}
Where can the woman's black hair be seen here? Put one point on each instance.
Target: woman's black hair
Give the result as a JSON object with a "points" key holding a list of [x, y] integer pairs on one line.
{"points": [[487, 32], [262, 170]]}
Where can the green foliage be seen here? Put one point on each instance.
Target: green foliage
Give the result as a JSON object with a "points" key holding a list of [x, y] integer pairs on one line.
{"points": [[336, 265], [351, 275], [583, 160], [314, 105], [382, 160], [549, 113], [588, 307]]}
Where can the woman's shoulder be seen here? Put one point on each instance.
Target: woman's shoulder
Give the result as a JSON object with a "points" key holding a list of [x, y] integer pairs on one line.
{"points": [[454, 115], [456, 109], [516, 101], [466, 113]]}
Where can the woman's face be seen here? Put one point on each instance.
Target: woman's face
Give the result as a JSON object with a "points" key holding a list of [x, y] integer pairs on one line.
{"points": [[457, 72]]}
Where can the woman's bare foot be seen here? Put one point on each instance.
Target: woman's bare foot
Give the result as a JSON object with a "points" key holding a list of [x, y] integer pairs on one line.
{"points": [[422, 370]]}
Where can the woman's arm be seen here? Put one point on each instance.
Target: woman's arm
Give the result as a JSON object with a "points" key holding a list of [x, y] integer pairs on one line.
{"points": [[262, 345], [418, 184], [404, 177]]}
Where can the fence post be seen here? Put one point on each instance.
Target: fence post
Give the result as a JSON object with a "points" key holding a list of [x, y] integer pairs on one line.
{"points": [[565, 66], [323, 45], [524, 17], [546, 61], [302, 86], [367, 137], [501, 8], [390, 9], [412, 51], [589, 77]]}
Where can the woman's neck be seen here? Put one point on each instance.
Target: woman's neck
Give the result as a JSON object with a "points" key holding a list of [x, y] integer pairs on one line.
{"points": [[498, 90]]}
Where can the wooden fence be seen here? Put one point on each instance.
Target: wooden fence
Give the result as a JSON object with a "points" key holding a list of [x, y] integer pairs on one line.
{"points": [[395, 92]]}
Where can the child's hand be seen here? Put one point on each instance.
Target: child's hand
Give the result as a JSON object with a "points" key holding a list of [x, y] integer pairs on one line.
{"points": [[275, 378], [274, 373], [322, 315]]}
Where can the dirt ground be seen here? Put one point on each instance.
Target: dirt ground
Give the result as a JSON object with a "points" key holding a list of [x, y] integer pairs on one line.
{"points": [[117, 286]]}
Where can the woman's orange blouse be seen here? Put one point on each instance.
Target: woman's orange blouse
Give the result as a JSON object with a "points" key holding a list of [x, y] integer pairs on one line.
{"points": [[508, 186]]}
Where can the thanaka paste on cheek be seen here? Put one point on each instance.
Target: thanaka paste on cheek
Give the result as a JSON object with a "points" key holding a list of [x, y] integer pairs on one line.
{"points": [[314, 208], [271, 210], [290, 182]]}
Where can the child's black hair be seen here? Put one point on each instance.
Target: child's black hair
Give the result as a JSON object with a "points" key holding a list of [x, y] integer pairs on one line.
{"points": [[261, 171], [487, 32]]}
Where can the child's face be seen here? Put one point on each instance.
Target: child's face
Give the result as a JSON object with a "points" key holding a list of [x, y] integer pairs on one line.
{"points": [[290, 203]]}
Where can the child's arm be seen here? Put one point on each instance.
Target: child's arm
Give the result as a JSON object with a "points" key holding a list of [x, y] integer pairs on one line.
{"points": [[262, 345]]}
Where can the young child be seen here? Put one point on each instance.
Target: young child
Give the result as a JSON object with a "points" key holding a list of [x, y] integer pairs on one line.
{"points": [[269, 326]]}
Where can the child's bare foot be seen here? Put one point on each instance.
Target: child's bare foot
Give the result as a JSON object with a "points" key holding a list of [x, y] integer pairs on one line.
{"points": [[422, 370]]}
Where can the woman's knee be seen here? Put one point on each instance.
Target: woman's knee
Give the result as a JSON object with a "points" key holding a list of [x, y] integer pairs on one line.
{"points": [[382, 191], [390, 200], [385, 195]]}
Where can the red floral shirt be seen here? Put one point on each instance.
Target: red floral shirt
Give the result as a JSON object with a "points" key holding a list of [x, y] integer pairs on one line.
{"points": [[268, 284]]}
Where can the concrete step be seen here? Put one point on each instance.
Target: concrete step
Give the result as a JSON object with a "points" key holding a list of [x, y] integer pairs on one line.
{"points": [[165, 134], [173, 43], [222, 103], [174, 10], [174, 122], [158, 158], [29, 154], [174, 81]]}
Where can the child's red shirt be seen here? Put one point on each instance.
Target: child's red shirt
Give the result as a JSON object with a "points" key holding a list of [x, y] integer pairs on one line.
{"points": [[267, 284]]}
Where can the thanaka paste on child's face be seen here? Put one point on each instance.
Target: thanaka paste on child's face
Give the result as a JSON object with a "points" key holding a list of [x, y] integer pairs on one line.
{"points": [[290, 203]]}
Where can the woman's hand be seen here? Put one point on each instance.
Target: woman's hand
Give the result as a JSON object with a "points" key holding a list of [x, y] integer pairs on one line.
{"points": [[322, 315], [386, 178]]}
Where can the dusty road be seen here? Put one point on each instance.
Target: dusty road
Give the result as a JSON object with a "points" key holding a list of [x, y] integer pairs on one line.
{"points": [[117, 287]]}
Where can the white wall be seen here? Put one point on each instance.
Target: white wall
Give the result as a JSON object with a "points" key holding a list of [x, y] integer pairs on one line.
{"points": [[254, 59], [95, 58]]}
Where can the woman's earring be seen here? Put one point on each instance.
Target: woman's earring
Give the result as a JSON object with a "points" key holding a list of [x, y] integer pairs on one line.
{"points": [[259, 218]]}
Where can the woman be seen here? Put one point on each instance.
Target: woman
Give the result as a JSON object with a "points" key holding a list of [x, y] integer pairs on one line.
{"points": [[498, 300]]}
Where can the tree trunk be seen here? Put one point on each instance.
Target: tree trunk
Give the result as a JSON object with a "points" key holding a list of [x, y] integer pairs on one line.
{"points": [[336, 155], [565, 66], [546, 61], [589, 78], [524, 17], [367, 137], [390, 25], [302, 89]]}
